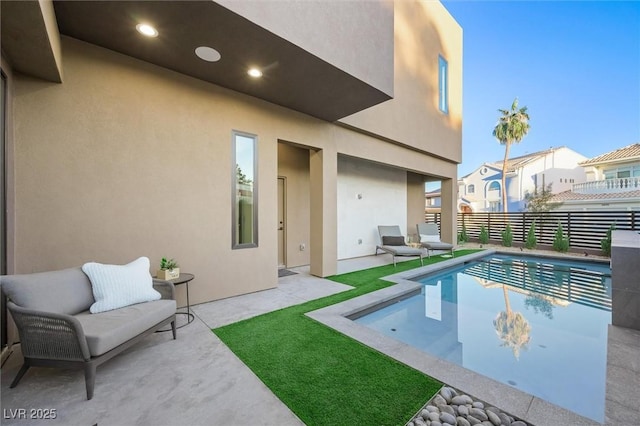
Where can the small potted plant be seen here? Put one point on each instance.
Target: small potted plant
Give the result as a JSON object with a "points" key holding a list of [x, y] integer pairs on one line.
{"points": [[169, 269]]}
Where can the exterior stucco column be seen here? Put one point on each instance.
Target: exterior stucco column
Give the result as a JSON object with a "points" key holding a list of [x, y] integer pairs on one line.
{"points": [[448, 218], [323, 169], [415, 202]]}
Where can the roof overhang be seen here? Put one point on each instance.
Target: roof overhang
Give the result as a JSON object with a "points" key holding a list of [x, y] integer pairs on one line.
{"points": [[292, 77], [30, 38]]}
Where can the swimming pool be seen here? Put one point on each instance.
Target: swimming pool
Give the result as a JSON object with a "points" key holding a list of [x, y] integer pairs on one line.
{"points": [[536, 324]]}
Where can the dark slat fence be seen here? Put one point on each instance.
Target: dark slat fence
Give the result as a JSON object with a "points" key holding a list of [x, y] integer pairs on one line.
{"points": [[585, 229]]}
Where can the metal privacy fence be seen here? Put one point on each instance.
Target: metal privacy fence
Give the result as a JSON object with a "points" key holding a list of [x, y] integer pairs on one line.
{"points": [[585, 229]]}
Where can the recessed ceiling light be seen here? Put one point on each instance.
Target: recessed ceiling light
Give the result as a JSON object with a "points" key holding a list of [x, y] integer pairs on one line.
{"points": [[146, 29], [254, 72], [208, 54]]}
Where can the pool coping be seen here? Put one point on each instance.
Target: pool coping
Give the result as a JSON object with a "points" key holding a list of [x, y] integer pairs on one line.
{"points": [[511, 400]]}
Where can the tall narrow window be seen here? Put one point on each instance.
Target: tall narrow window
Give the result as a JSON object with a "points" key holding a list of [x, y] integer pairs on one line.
{"points": [[443, 85], [245, 187]]}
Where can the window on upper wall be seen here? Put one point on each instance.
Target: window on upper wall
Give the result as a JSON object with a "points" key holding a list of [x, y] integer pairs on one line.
{"points": [[494, 186], [443, 85], [244, 229], [624, 172], [471, 189]]}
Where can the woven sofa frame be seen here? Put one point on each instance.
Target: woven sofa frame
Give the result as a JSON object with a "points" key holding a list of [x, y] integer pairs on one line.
{"points": [[57, 340]]}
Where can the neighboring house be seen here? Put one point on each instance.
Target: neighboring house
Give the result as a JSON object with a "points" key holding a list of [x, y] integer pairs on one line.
{"points": [[120, 146], [432, 201], [612, 183], [479, 191]]}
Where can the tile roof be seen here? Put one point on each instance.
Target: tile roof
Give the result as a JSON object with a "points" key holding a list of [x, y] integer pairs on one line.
{"points": [[574, 196], [627, 152]]}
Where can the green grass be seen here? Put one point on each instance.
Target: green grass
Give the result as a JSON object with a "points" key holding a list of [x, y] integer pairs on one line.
{"points": [[324, 377]]}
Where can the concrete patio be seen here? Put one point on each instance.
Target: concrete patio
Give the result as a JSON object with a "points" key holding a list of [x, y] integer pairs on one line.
{"points": [[197, 380]]}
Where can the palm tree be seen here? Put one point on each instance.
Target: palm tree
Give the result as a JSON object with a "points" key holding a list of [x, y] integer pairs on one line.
{"points": [[512, 126]]}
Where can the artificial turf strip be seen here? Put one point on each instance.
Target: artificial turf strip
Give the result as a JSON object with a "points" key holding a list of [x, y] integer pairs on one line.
{"points": [[323, 376]]}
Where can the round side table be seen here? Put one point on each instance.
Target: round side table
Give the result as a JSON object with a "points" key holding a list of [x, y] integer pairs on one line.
{"points": [[184, 279]]}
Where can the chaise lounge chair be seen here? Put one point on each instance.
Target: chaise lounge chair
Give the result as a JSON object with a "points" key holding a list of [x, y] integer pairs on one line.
{"points": [[393, 243], [430, 238]]}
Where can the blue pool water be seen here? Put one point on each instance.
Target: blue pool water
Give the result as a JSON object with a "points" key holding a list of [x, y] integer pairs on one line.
{"points": [[538, 325]]}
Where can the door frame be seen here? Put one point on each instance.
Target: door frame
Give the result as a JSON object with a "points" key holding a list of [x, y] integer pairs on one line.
{"points": [[282, 204], [9, 330]]}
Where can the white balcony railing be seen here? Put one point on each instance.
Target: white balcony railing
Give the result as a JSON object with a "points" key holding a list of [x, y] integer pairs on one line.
{"points": [[608, 186]]}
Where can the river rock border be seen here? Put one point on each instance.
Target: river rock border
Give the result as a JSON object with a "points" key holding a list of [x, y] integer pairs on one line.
{"points": [[450, 407]]}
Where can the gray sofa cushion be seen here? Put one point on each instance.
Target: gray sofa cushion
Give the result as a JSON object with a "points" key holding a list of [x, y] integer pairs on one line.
{"points": [[106, 330], [67, 291]]}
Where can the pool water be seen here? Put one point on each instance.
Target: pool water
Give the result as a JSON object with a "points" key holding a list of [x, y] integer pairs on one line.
{"points": [[538, 325]]}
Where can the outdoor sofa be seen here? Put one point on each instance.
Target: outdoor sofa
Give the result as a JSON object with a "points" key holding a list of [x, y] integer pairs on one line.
{"points": [[53, 314]]}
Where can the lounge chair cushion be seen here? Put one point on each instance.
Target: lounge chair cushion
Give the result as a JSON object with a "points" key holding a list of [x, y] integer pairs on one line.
{"points": [[388, 240], [403, 250], [117, 286], [106, 330], [438, 246], [72, 292], [429, 238]]}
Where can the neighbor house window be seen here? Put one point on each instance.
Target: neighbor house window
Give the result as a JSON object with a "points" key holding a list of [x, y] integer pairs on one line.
{"points": [[494, 206], [471, 189], [619, 173], [245, 186], [443, 85], [494, 186]]}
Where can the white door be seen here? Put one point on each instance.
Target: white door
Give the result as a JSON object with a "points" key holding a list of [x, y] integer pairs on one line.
{"points": [[281, 223]]}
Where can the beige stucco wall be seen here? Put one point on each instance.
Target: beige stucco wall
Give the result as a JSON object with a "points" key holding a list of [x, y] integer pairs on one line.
{"points": [[126, 159], [423, 30]]}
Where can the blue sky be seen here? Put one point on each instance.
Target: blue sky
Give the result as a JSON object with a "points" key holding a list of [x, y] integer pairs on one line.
{"points": [[575, 65]]}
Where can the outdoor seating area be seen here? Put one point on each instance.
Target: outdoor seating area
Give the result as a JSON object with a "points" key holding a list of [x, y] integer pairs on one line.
{"points": [[198, 380], [80, 318], [392, 241]]}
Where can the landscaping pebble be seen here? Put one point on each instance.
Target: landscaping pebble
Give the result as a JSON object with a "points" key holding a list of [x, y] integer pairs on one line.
{"points": [[493, 418], [450, 407], [447, 409]]}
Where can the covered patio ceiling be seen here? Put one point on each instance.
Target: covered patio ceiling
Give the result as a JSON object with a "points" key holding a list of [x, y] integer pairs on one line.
{"points": [[292, 77]]}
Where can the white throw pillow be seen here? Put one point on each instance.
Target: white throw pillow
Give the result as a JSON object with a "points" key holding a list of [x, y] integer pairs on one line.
{"points": [[117, 286], [429, 238]]}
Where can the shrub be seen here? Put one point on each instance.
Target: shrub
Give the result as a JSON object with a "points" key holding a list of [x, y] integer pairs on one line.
{"points": [[462, 235], [605, 243], [484, 235], [560, 243], [507, 236], [532, 241]]}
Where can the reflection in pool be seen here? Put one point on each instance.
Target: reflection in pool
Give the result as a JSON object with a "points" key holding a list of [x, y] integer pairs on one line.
{"points": [[532, 323]]}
